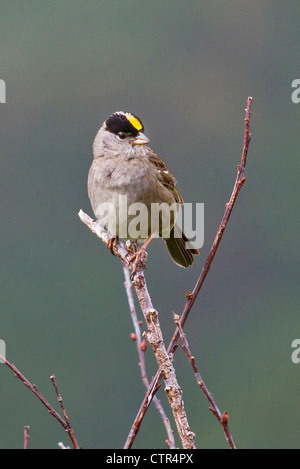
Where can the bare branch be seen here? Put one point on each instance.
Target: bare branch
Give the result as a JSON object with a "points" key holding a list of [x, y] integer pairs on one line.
{"points": [[36, 392], [154, 337], [26, 436], [118, 249], [222, 418], [191, 297], [172, 388], [69, 429], [141, 353]]}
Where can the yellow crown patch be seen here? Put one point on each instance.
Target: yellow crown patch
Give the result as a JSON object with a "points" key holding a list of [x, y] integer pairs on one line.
{"points": [[134, 121]]}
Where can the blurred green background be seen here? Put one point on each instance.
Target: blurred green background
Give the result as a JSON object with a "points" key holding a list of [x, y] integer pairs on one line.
{"points": [[186, 69]]}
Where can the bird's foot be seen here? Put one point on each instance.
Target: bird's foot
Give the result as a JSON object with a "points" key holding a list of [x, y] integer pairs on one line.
{"points": [[112, 243], [137, 260]]}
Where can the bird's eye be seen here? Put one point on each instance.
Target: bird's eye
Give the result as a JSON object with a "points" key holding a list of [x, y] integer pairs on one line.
{"points": [[122, 135]]}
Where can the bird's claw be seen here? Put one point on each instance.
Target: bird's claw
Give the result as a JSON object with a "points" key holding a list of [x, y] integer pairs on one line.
{"points": [[137, 260], [112, 243]]}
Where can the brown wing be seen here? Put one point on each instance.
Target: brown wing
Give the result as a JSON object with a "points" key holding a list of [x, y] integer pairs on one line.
{"points": [[165, 176]]}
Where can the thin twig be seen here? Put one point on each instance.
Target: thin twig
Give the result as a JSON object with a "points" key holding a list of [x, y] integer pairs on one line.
{"points": [[141, 353], [118, 248], [36, 392], [69, 429], [34, 389], [222, 418], [26, 436], [191, 297]]}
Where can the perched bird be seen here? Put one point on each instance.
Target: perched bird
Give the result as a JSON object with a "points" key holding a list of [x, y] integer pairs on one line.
{"points": [[126, 175]]}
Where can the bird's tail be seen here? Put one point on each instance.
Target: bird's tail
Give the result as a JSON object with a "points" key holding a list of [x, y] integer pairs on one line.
{"points": [[177, 248]]}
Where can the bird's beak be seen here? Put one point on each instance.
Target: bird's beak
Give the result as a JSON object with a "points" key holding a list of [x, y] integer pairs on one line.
{"points": [[140, 139]]}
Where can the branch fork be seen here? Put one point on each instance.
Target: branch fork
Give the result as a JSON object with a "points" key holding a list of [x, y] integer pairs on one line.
{"points": [[154, 335]]}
